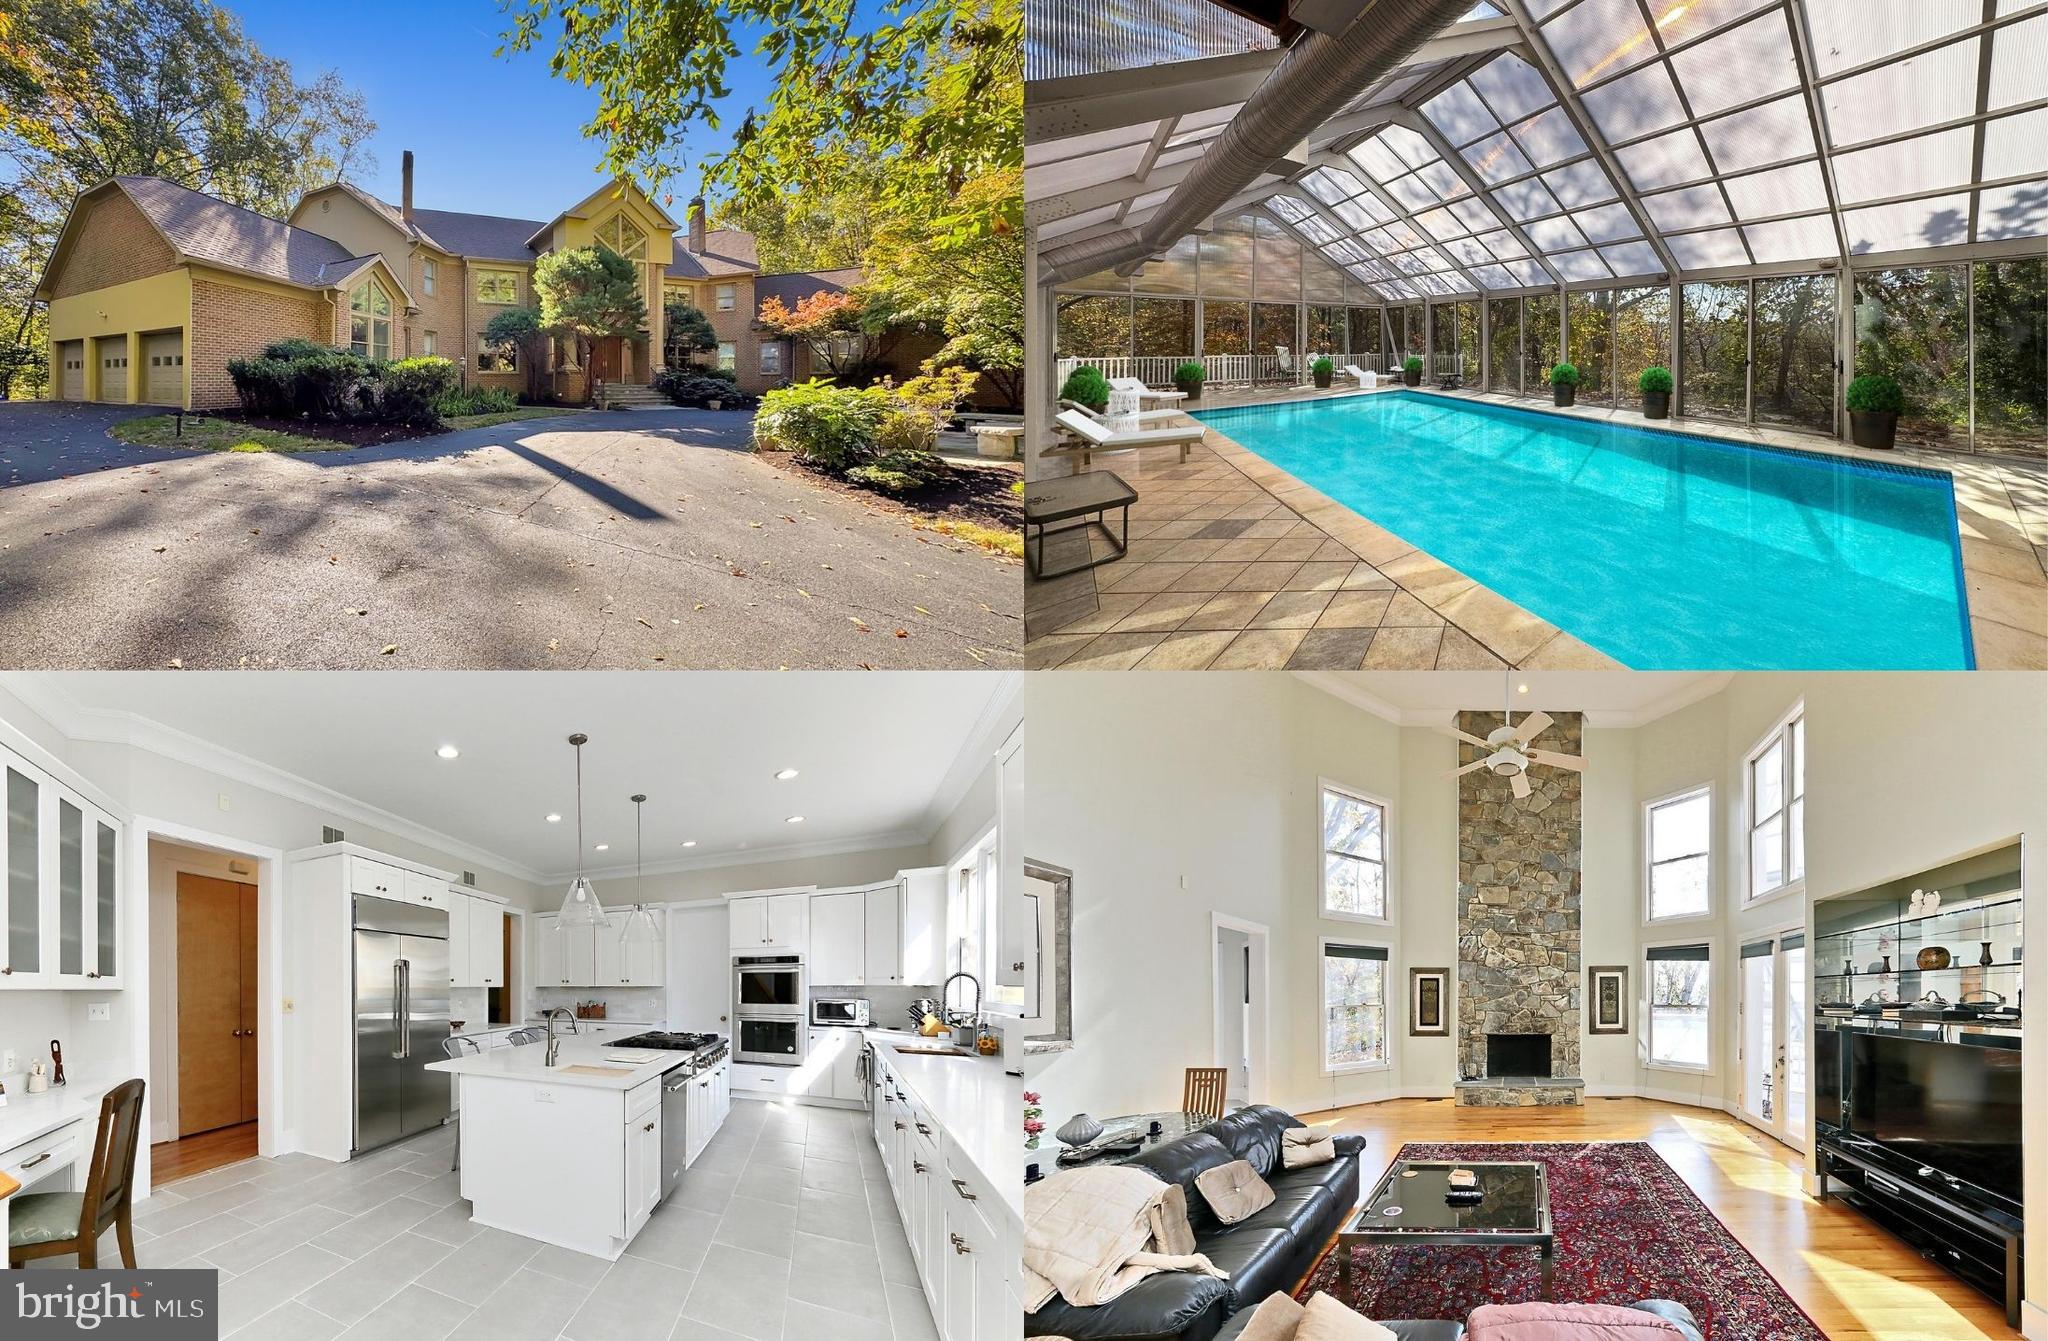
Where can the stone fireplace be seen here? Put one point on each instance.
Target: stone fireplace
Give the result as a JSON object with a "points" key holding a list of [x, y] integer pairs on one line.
{"points": [[1518, 927]]}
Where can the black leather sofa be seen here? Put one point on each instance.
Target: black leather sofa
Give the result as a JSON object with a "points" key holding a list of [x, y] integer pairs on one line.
{"points": [[1268, 1251], [1452, 1331]]}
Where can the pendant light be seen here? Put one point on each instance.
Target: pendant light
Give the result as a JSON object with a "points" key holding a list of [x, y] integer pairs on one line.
{"points": [[580, 907], [642, 926]]}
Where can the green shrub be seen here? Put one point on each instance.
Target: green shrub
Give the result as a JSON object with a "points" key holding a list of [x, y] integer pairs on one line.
{"points": [[722, 374], [1190, 373], [833, 426], [410, 390], [1654, 381], [476, 400], [263, 385], [907, 431], [1086, 386], [295, 348], [899, 471], [1874, 393], [1411, 364], [1564, 374], [1322, 367], [689, 386]]}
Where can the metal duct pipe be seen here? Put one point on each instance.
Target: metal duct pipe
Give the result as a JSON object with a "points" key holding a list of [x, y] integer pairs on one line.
{"points": [[1317, 76]]}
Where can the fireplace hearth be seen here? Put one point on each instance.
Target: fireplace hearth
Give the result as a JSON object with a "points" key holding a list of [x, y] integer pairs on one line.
{"points": [[1521, 1056]]}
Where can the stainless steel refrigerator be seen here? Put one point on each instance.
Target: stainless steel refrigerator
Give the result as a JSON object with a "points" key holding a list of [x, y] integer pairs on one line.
{"points": [[401, 1011]]}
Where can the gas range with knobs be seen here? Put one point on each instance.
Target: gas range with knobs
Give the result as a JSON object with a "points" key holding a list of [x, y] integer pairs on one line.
{"points": [[706, 1050]]}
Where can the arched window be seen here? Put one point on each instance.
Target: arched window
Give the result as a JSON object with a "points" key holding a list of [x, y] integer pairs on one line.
{"points": [[623, 237], [369, 320]]}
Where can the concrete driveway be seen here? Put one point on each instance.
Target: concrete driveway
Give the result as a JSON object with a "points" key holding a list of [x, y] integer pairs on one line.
{"points": [[637, 539]]}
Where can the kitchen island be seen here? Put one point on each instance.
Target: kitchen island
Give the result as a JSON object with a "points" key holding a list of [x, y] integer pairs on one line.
{"points": [[577, 1154]]}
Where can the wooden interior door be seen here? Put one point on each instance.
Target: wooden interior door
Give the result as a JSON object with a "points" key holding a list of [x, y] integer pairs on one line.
{"points": [[216, 1003]]}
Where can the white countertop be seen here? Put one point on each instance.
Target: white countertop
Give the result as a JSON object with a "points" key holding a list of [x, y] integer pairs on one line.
{"points": [[28, 1116], [529, 1063], [978, 1105]]}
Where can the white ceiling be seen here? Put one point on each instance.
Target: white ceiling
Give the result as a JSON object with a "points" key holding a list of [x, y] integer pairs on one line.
{"points": [[1609, 698], [881, 757]]}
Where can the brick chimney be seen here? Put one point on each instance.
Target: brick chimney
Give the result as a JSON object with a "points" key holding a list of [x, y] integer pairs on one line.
{"points": [[405, 200], [697, 225]]}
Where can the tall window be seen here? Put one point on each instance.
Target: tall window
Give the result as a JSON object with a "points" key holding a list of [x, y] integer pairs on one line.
{"points": [[619, 234], [369, 320], [771, 358], [1678, 831], [971, 912], [1680, 978], [429, 344], [1353, 882], [728, 355], [430, 273], [1777, 808], [1354, 1006], [726, 297], [499, 288]]}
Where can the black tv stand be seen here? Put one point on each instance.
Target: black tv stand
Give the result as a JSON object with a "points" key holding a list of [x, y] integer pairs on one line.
{"points": [[1976, 1241]]}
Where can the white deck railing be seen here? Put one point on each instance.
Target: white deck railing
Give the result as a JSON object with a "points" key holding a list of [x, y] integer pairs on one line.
{"points": [[1223, 369]]}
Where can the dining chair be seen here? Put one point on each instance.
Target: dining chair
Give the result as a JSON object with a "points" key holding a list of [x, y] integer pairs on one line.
{"points": [[61, 1224], [1203, 1091], [456, 1045]]}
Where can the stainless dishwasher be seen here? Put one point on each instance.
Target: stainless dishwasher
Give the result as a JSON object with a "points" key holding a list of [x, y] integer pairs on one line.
{"points": [[675, 1131]]}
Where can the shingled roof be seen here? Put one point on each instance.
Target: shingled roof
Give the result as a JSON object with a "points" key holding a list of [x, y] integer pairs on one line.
{"points": [[486, 236], [727, 251], [204, 229], [794, 288]]}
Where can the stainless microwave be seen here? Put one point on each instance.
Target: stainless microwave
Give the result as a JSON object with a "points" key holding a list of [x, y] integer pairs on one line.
{"points": [[840, 1010]]}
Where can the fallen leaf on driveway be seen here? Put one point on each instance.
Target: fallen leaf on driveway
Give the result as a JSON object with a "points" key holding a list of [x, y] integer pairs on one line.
{"points": [[161, 548], [903, 633], [638, 620], [257, 531], [805, 594], [389, 648], [976, 655], [920, 609], [554, 644], [698, 606], [755, 525], [859, 623], [177, 663]]}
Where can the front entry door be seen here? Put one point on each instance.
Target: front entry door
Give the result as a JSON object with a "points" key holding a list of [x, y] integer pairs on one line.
{"points": [[1773, 1037], [216, 1003], [607, 359]]}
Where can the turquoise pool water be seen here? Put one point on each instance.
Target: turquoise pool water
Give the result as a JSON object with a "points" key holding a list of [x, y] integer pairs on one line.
{"points": [[1666, 551]]}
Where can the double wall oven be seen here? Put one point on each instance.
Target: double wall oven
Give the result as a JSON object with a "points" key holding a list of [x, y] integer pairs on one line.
{"points": [[768, 1009]]}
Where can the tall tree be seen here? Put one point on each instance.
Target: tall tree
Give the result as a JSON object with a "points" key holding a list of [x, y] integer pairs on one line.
{"points": [[969, 285], [828, 226], [592, 293]]}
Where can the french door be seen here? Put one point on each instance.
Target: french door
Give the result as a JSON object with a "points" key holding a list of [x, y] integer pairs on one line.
{"points": [[1772, 1042]]}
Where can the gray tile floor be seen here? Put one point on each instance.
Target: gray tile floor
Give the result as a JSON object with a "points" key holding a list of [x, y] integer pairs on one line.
{"points": [[784, 1229]]}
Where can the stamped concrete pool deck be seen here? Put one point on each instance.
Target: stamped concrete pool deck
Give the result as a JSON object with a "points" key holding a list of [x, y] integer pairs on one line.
{"points": [[1236, 565]]}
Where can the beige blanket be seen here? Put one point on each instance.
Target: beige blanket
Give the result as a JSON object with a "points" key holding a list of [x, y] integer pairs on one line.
{"points": [[1091, 1234]]}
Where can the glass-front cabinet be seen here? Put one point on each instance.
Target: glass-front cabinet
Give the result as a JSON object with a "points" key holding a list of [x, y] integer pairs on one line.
{"points": [[61, 884]]}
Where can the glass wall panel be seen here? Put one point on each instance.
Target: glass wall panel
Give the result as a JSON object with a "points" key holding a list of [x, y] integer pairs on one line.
{"points": [[1642, 338], [1092, 327], [2012, 356], [1713, 330], [1397, 331], [1539, 341], [1276, 264], [1913, 326], [1163, 327], [1795, 352], [1504, 355], [1273, 327], [1226, 260], [1226, 327], [1468, 340], [1171, 273], [1416, 336], [1586, 343], [1326, 331], [1365, 337], [1321, 280]]}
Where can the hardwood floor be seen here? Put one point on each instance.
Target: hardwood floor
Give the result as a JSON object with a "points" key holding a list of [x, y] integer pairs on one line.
{"points": [[1857, 1281], [171, 1160]]}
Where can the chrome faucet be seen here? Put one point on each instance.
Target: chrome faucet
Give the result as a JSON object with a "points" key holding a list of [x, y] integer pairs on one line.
{"points": [[555, 1044], [564, 1012]]}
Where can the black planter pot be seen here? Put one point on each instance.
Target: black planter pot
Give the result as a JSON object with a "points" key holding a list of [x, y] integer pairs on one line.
{"points": [[1564, 393], [1656, 405], [1192, 390], [1873, 428], [1412, 378], [1322, 380]]}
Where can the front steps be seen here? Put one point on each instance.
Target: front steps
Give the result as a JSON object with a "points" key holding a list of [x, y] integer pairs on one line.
{"points": [[630, 396]]}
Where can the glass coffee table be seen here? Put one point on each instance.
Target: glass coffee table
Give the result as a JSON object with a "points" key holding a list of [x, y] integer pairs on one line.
{"points": [[1408, 1209]]}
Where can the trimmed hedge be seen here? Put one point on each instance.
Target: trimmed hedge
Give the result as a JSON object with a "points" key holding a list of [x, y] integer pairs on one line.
{"points": [[301, 379], [1654, 381], [1087, 386], [1874, 393]]}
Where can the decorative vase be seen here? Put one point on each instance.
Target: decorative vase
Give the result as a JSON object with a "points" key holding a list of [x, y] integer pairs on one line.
{"points": [[1933, 957], [1079, 1129], [1848, 969], [1887, 965], [1984, 957]]}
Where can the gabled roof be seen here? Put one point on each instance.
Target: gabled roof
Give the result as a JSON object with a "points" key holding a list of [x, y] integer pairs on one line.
{"points": [[202, 228], [727, 251], [795, 287], [487, 237], [593, 202]]}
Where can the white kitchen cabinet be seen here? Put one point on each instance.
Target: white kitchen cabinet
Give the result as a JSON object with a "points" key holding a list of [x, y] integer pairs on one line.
{"points": [[882, 935], [426, 890], [838, 939], [618, 964], [476, 940], [831, 1063], [923, 901], [770, 920], [460, 972], [375, 879], [974, 1288], [643, 1156], [61, 887], [562, 956]]}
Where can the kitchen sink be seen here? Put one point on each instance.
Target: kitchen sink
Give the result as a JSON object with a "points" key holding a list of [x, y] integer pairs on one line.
{"points": [[946, 1051]]}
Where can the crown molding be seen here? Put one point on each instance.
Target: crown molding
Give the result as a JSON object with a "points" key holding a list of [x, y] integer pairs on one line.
{"points": [[987, 734], [752, 856], [1345, 686], [1341, 685], [116, 726]]}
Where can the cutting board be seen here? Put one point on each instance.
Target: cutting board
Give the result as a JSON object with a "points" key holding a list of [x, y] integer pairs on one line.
{"points": [[597, 1070]]}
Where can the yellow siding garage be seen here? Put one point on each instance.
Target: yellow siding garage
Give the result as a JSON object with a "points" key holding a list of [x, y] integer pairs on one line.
{"points": [[112, 353], [71, 370], [163, 362]]}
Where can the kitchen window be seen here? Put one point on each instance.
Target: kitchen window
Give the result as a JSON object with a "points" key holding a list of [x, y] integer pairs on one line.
{"points": [[1354, 1007], [498, 288], [1680, 1018], [1776, 786], [496, 358], [972, 917], [1677, 834], [1352, 881]]}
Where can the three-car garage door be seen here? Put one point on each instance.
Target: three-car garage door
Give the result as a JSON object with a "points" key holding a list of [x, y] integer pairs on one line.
{"points": [[112, 352], [71, 369], [163, 357]]}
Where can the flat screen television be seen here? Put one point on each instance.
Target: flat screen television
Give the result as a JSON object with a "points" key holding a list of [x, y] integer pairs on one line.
{"points": [[1950, 1106]]}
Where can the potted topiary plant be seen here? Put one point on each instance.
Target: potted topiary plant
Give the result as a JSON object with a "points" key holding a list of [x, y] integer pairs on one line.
{"points": [[1188, 379], [1564, 384], [1655, 384], [1087, 386], [1411, 371], [1322, 370], [1874, 402]]}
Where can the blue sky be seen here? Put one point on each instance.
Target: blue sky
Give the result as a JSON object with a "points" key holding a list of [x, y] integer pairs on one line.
{"points": [[492, 135]]}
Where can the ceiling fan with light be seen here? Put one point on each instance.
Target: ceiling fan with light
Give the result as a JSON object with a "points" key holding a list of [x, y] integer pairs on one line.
{"points": [[1507, 750]]}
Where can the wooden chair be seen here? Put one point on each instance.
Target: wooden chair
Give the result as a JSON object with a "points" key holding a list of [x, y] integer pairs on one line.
{"points": [[60, 1224], [1204, 1089]]}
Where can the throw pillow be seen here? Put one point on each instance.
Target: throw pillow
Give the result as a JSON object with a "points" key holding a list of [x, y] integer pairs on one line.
{"points": [[1275, 1320], [1234, 1191], [1303, 1146], [1327, 1320]]}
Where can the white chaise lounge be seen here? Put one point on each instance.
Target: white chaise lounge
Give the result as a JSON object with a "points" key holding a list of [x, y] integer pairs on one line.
{"points": [[1367, 378], [1090, 436], [1145, 393]]}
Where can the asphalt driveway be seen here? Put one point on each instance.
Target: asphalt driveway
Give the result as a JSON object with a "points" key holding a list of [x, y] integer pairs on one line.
{"points": [[639, 539]]}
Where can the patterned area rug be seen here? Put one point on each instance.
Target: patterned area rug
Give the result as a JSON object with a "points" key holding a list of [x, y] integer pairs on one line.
{"points": [[1627, 1228]]}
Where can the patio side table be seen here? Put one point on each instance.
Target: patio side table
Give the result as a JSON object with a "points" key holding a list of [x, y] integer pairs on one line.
{"points": [[1090, 496]]}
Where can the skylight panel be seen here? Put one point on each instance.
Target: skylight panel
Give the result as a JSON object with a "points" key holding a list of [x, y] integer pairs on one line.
{"points": [[1581, 183], [1668, 160], [1512, 87], [1528, 272], [1363, 212], [1609, 223], [1441, 224], [1690, 207], [1549, 137], [1468, 251], [2011, 211], [1787, 190], [1926, 163], [1503, 244], [1383, 241], [1376, 160], [1441, 179], [1935, 86], [1080, 146], [1345, 251], [1555, 235], [1632, 258], [1054, 179], [1526, 200], [1407, 146], [1680, 21], [1747, 62], [1474, 215], [1493, 276], [1331, 185], [1933, 222], [1459, 114], [1184, 154], [1791, 239], [1316, 229], [2018, 53], [1409, 263], [1496, 159], [1704, 251], [1599, 37], [1074, 223], [1404, 236], [1849, 33], [1767, 134], [1577, 265], [1288, 208], [1411, 193], [1640, 104], [2012, 146]]}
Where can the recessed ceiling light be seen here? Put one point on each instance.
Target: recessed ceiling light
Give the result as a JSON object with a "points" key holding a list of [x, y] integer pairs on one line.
{"points": [[689, 842], [447, 751], [784, 774], [554, 819], [794, 819], [604, 847], [1521, 689]]}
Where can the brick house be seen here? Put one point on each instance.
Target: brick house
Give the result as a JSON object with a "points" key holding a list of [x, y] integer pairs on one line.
{"points": [[152, 288]]}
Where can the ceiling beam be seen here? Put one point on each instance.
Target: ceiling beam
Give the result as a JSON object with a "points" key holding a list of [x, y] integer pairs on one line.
{"points": [[1050, 209]]}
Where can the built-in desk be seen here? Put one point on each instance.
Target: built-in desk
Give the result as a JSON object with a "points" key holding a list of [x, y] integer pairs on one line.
{"points": [[46, 1139]]}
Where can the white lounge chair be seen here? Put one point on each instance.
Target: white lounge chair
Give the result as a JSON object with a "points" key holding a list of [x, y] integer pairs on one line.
{"points": [[1367, 378], [1091, 436], [1144, 392], [1103, 417]]}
